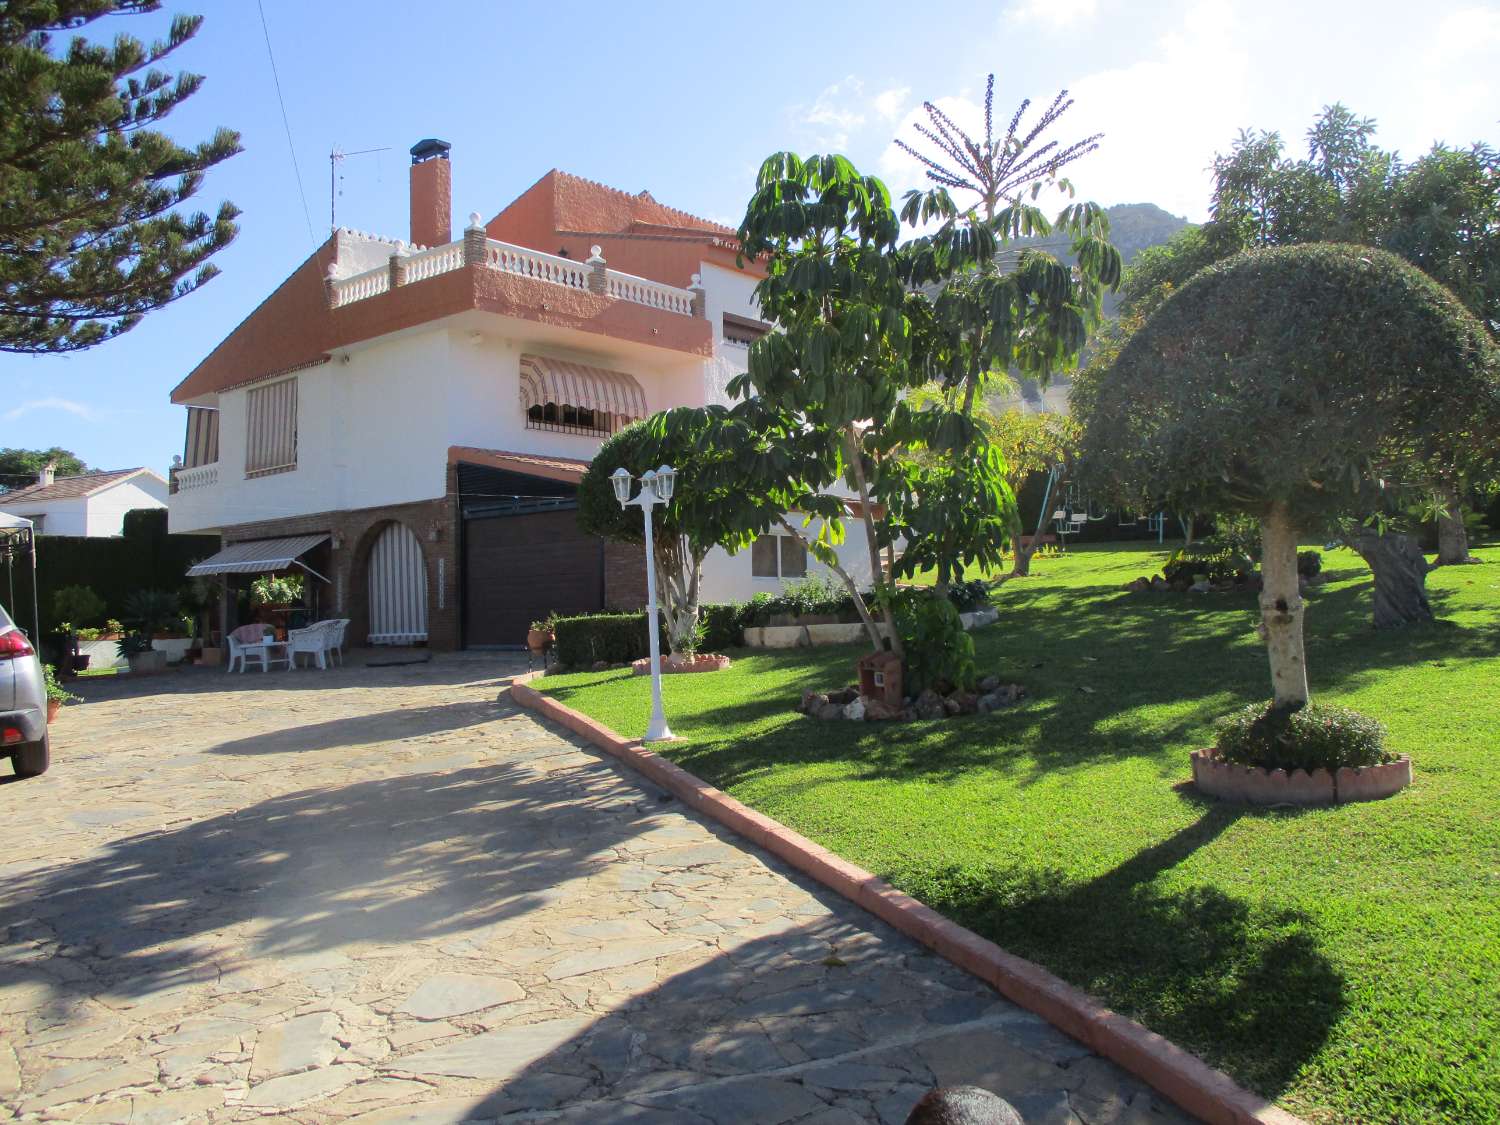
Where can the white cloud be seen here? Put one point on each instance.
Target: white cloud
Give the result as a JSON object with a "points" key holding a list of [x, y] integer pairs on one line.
{"points": [[1467, 32], [67, 405], [892, 103], [834, 114], [1052, 14]]}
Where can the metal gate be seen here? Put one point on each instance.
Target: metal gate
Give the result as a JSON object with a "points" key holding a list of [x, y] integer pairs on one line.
{"points": [[398, 588]]}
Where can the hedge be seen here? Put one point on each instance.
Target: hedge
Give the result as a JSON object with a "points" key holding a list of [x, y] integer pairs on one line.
{"points": [[614, 638], [143, 557]]}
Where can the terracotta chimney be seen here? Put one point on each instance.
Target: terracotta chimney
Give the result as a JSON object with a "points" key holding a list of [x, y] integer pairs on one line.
{"points": [[47, 473], [431, 193]]}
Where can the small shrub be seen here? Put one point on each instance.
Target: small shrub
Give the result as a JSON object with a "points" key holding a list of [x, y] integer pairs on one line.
{"points": [[56, 693], [971, 595], [1220, 562], [276, 589], [1309, 563], [152, 611], [1314, 737], [723, 624], [78, 605], [615, 638], [937, 649]]}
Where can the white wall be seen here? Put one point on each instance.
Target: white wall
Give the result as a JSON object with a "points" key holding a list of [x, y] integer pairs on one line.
{"points": [[62, 517], [726, 291], [106, 510], [727, 578], [376, 430]]}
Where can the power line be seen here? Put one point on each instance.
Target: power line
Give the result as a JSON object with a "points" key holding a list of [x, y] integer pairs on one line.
{"points": [[285, 121]]}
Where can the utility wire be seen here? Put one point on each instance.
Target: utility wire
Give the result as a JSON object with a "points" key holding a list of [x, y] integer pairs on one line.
{"points": [[286, 123]]}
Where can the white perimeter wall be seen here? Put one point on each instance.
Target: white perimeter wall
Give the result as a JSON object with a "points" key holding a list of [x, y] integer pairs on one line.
{"points": [[727, 578], [106, 511]]}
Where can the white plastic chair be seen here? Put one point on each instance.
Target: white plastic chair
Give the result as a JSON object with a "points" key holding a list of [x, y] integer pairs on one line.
{"points": [[338, 626], [315, 640]]}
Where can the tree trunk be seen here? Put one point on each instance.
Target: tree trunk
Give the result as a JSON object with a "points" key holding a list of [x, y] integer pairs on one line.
{"points": [[867, 513], [1453, 537], [1281, 609], [1400, 577], [1022, 568], [677, 573], [1187, 522]]}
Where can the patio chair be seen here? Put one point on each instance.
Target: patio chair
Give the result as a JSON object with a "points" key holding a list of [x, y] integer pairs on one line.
{"points": [[315, 640], [336, 637], [254, 643]]}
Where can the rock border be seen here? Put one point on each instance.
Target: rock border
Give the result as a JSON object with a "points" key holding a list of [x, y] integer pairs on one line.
{"points": [[1184, 1078], [682, 665], [1256, 785]]}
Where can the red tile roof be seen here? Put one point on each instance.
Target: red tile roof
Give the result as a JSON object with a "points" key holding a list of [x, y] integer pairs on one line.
{"points": [[69, 488], [553, 468]]}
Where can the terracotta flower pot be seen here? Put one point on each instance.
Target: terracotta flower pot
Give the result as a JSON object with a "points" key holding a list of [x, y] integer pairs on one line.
{"points": [[53, 707], [539, 640]]}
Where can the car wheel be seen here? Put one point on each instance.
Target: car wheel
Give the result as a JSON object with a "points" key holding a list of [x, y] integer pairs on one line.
{"points": [[30, 761]]}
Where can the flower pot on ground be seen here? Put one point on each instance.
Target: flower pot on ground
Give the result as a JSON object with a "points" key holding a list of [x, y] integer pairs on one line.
{"points": [[541, 636], [57, 695]]}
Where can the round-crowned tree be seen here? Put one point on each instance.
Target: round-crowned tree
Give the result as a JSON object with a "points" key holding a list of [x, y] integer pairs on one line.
{"points": [[1295, 385]]}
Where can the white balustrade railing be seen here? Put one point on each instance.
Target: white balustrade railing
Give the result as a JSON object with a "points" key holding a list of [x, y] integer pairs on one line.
{"points": [[371, 283], [199, 476], [533, 263], [429, 263], [523, 262], [644, 291]]}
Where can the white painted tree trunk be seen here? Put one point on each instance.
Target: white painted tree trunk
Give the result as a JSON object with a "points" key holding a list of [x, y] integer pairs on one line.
{"points": [[1453, 537], [1281, 609]]}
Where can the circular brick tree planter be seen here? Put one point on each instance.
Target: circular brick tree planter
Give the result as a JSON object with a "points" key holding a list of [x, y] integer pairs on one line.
{"points": [[699, 662], [1255, 785]]}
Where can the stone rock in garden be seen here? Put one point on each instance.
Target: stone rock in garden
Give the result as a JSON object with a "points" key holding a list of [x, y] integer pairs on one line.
{"points": [[929, 705], [944, 688], [1158, 583], [1181, 586], [951, 706], [879, 711], [599, 666], [1202, 586], [966, 701], [855, 711], [1001, 697], [1138, 585], [830, 711], [811, 701], [847, 695], [990, 683]]}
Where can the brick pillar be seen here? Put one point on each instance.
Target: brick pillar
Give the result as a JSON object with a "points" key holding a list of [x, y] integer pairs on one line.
{"points": [[474, 241], [597, 280], [328, 291], [398, 265]]}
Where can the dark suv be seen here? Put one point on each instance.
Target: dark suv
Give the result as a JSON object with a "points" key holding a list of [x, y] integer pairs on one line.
{"points": [[23, 702]]}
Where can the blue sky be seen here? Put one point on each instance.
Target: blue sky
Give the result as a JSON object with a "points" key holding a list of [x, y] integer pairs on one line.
{"points": [[686, 99]]}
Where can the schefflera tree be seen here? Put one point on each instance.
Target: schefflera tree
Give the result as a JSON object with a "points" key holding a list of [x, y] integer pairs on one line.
{"points": [[1295, 385]]}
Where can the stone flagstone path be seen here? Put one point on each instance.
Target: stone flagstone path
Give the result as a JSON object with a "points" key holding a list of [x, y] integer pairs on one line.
{"points": [[384, 895]]}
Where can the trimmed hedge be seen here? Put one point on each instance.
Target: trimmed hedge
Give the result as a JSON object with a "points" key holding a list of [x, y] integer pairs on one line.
{"points": [[615, 638], [143, 557], [1313, 737]]}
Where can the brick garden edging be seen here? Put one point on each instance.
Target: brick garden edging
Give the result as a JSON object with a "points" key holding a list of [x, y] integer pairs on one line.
{"points": [[1254, 785], [1186, 1079]]}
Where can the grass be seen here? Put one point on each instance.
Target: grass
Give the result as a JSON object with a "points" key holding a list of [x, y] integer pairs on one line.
{"points": [[1345, 961]]}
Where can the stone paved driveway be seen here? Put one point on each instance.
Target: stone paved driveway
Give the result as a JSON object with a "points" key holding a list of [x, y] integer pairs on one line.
{"points": [[385, 895]]}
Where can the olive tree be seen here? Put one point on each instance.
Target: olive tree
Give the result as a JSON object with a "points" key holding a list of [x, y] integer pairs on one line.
{"points": [[1294, 385]]}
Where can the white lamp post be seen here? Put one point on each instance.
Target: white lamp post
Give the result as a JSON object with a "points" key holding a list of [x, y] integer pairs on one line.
{"points": [[656, 488]]}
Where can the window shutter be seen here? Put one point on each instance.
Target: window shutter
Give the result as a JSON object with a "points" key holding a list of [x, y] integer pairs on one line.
{"points": [[271, 428]]}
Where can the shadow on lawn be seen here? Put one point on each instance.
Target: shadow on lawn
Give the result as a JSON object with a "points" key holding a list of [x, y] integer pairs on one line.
{"points": [[1241, 983]]}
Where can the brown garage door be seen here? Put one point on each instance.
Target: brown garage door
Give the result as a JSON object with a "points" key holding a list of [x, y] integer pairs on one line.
{"points": [[518, 569]]}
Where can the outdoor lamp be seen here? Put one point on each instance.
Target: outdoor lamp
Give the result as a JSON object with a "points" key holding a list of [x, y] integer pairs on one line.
{"points": [[656, 488], [620, 478]]}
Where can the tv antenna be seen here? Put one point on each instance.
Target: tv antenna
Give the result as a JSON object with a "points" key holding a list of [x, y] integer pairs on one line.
{"points": [[334, 156]]}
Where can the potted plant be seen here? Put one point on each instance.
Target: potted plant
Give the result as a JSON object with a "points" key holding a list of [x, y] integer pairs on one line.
{"points": [[276, 591], [148, 612], [75, 606], [57, 695], [542, 634]]}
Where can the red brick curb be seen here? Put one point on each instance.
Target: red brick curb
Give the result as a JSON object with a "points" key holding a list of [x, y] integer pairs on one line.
{"points": [[1186, 1079]]}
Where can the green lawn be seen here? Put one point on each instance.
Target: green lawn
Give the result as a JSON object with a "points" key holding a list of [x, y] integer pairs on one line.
{"points": [[1345, 961]]}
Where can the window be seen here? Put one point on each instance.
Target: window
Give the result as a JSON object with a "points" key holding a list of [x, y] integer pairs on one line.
{"points": [[743, 331], [568, 419], [778, 556], [271, 428]]}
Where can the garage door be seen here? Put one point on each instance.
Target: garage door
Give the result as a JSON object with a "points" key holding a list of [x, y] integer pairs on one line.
{"points": [[518, 569]]}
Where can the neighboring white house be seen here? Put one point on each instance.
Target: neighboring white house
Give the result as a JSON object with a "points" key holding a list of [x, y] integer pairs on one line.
{"points": [[92, 505], [411, 423]]}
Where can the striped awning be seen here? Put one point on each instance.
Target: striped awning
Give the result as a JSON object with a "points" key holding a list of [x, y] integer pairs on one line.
{"points": [[558, 381], [258, 556]]}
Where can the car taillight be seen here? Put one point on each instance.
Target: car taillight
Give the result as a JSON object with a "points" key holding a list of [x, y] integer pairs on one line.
{"points": [[13, 643], [10, 736]]}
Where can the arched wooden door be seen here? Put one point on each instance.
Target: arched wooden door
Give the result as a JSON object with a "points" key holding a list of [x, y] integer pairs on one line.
{"points": [[398, 588]]}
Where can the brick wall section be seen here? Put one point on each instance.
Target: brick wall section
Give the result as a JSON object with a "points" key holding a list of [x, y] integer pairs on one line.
{"points": [[624, 576], [434, 524]]}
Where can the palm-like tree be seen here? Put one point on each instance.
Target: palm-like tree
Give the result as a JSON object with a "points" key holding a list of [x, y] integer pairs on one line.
{"points": [[996, 170]]}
